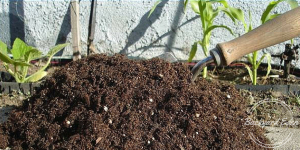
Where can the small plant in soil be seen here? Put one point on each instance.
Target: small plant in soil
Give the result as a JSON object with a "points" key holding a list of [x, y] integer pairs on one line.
{"points": [[207, 14], [22, 55], [252, 58]]}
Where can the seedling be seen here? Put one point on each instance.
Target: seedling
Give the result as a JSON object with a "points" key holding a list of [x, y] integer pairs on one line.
{"points": [[266, 16], [207, 14], [22, 56]]}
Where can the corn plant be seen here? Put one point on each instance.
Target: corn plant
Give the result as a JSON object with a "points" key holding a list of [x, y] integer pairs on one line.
{"points": [[22, 55], [207, 14], [252, 58]]}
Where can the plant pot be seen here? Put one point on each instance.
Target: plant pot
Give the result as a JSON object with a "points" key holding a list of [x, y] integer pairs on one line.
{"points": [[25, 88], [284, 89]]}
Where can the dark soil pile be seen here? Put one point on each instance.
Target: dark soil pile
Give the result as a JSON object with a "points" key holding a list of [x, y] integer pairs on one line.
{"points": [[115, 103]]}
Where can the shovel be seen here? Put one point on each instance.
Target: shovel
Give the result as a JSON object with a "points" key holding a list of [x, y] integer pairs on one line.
{"points": [[280, 29]]}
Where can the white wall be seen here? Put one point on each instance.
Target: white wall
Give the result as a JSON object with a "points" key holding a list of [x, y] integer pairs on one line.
{"points": [[123, 26]]}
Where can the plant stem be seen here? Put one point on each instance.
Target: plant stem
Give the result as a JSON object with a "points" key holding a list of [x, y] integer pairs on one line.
{"points": [[205, 45], [254, 68]]}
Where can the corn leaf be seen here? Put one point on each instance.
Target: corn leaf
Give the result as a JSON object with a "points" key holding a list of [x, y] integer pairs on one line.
{"points": [[250, 59], [249, 71], [154, 7], [185, 4], [250, 22], [228, 13], [217, 26], [268, 56], [195, 6], [266, 14], [223, 2], [36, 77], [193, 52], [237, 14]]}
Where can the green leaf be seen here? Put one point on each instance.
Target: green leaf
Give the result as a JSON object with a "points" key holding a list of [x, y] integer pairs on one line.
{"points": [[185, 4], [6, 58], [20, 63], [250, 59], [217, 26], [249, 71], [19, 49], [193, 52], [3, 48], [250, 22], [268, 56], [36, 77], [227, 12], [56, 49], [266, 14], [237, 14], [223, 2], [195, 6], [32, 55], [154, 7], [41, 73]]}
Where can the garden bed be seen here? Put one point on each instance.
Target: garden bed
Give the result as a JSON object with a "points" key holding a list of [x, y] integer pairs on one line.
{"points": [[114, 103]]}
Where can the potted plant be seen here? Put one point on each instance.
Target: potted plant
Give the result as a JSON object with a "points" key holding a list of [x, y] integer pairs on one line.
{"points": [[18, 65]]}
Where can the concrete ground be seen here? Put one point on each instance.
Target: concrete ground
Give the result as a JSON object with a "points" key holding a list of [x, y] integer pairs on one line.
{"points": [[276, 134]]}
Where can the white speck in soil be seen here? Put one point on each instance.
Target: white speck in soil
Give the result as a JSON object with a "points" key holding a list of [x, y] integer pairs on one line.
{"points": [[151, 100], [161, 75], [215, 117], [68, 122], [105, 108], [153, 138], [197, 132], [149, 142], [152, 113], [228, 96], [110, 121], [197, 115]]}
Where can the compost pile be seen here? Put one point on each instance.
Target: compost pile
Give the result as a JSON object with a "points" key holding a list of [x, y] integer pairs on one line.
{"points": [[103, 102]]}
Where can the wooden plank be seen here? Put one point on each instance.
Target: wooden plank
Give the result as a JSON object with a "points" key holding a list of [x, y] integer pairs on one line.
{"points": [[75, 29]]}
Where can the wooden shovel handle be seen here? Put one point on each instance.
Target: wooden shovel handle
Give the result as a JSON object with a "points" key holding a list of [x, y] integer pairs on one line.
{"points": [[280, 29]]}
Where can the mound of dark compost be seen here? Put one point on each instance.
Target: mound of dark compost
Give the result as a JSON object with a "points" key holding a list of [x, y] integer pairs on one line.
{"points": [[103, 102]]}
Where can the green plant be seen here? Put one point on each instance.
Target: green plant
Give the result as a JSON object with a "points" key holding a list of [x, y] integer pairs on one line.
{"points": [[266, 16], [252, 58], [207, 14], [22, 55]]}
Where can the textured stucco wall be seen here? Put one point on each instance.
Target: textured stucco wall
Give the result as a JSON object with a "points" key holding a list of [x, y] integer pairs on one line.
{"points": [[123, 26]]}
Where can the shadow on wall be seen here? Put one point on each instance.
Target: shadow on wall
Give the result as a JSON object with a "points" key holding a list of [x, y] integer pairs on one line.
{"points": [[138, 32], [145, 22], [171, 40], [65, 29], [17, 25], [16, 22]]}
